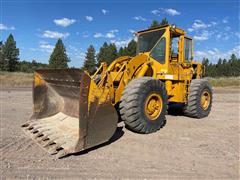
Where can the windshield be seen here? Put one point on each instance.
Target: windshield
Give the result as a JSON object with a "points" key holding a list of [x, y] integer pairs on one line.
{"points": [[158, 52], [146, 41]]}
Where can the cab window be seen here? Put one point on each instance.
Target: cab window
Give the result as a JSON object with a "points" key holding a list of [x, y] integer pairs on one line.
{"points": [[148, 40], [187, 50], [174, 48], [159, 51]]}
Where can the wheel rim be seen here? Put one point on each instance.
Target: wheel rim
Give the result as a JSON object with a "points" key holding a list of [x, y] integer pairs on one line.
{"points": [[153, 106], [205, 99]]}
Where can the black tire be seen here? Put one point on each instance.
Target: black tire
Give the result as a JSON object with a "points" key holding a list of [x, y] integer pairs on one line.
{"points": [[194, 108], [133, 101]]}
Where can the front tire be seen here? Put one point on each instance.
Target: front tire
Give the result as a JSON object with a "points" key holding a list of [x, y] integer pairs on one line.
{"points": [[199, 99], [143, 105]]}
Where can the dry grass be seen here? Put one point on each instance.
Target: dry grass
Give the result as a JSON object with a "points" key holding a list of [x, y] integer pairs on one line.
{"points": [[15, 79], [225, 81], [18, 79]]}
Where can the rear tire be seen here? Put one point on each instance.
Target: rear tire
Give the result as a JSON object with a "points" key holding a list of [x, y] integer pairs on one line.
{"points": [[199, 99], [143, 105]]}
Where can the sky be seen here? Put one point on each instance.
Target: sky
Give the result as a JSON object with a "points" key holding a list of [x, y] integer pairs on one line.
{"points": [[37, 24]]}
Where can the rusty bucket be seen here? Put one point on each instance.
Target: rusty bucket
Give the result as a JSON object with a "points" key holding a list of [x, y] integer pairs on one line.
{"points": [[70, 112]]}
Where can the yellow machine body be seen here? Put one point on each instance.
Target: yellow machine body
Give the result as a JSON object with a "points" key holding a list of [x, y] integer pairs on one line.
{"points": [[73, 112], [177, 72]]}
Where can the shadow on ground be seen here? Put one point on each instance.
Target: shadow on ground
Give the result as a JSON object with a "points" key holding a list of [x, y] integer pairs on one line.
{"points": [[117, 135], [175, 109]]}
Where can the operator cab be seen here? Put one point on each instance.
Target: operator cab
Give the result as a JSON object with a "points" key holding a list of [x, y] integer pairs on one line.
{"points": [[181, 48], [154, 41]]}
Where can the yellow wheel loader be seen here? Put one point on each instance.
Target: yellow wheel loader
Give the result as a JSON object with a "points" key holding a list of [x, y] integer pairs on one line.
{"points": [[74, 111]]}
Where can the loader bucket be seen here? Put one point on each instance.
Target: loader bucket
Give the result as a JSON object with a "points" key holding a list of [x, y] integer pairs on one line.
{"points": [[70, 112]]}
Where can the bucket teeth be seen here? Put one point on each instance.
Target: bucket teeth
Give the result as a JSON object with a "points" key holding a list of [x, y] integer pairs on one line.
{"points": [[49, 142], [38, 134], [30, 127], [25, 125], [49, 133], [45, 138], [53, 151], [34, 131], [37, 126], [52, 148], [61, 153], [50, 145], [51, 136], [46, 144], [48, 136], [43, 130], [42, 139]]}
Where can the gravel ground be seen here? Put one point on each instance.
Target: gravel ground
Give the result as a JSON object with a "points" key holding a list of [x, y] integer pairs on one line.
{"points": [[184, 149]]}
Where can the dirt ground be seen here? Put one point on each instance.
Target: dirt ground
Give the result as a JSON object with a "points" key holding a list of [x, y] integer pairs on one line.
{"points": [[184, 149]]}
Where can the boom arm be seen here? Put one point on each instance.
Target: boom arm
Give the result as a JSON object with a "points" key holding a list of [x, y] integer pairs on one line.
{"points": [[120, 72]]}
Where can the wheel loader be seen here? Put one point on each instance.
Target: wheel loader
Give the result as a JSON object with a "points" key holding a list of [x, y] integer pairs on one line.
{"points": [[74, 111]]}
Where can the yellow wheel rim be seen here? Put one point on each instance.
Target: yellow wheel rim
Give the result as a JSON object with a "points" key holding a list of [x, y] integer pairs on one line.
{"points": [[205, 99], [153, 106]]}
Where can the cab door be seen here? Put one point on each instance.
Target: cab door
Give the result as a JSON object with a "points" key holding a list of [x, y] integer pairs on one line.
{"points": [[185, 58], [160, 56]]}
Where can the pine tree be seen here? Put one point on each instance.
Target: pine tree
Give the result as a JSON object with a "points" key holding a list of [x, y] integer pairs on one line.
{"points": [[233, 57], [224, 68], [107, 53], [234, 63], [205, 64], [156, 24], [59, 58], [164, 22], [10, 53], [101, 57], [112, 53], [122, 51], [219, 68], [131, 48], [90, 60]]}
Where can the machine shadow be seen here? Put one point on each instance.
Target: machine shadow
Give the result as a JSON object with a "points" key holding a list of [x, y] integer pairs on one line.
{"points": [[175, 109], [117, 135]]}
